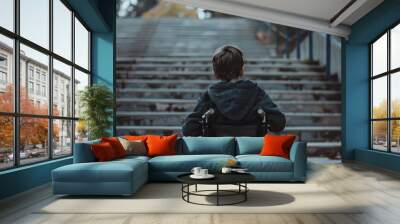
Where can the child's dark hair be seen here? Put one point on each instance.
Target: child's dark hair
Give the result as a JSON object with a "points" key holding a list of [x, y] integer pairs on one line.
{"points": [[228, 63]]}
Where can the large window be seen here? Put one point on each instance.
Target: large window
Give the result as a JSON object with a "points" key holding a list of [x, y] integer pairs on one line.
{"points": [[385, 91], [44, 64], [7, 14]]}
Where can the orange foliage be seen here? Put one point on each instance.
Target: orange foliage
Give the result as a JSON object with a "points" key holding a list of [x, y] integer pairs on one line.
{"points": [[33, 130], [7, 100], [380, 127], [6, 132]]}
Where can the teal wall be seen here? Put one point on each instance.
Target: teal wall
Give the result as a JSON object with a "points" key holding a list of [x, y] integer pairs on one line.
{"points": [[103, 52], [355, 86], [24, 178], [99, 15], [102, 59], [102, 64], [355, 100]]}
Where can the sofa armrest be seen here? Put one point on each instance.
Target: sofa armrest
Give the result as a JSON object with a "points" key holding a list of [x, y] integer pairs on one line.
{"points": [[298, 155], [83, 152]]}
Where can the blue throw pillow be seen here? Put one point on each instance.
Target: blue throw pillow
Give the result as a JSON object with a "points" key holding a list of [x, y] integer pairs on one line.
{"points": [[249, 145], [208, 145]]}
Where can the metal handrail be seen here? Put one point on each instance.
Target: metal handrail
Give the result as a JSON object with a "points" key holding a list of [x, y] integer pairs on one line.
{"points": [[327, 55]]}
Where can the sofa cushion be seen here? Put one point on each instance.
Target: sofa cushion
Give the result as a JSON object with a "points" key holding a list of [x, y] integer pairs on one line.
{"points": [[112, 171], [135, 147], [136, 137], [185, 163], [103, 152], [133, 158], [161, 145], [207, 145], [277, 145], [257, 163], [116, 145], [249, 145]]}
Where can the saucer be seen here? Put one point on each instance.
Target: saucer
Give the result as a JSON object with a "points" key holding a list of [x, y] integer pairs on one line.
{"points": [[208, 176], [240, 171]]}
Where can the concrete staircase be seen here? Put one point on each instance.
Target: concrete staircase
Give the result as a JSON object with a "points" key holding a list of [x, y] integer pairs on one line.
{"points": [[158, 84]]}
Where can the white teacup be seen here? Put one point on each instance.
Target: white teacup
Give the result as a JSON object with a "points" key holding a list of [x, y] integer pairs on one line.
{"points": [[196, 171], [226, 170], [203, 172]]}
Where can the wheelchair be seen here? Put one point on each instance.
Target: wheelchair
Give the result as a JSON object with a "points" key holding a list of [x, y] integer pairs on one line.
{"points": [[237, 130]]}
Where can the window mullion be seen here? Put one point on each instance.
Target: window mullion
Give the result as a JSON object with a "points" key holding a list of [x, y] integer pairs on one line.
{"points": [[16, 85], [389, 77], [371, 141], [50, 81], [89, 54], [73, 82]]}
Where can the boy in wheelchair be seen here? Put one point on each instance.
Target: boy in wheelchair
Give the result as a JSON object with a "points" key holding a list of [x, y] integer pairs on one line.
{"points": [[233, 106]]}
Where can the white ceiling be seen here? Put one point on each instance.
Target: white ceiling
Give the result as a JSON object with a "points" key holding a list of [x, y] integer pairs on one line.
{"points": [[321, 9], [314, 15]]}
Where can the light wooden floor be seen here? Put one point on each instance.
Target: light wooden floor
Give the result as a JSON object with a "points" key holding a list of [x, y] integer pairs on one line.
{"points": [[379, 189]]}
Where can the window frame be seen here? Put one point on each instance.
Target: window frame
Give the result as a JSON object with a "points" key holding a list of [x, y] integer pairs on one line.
{"points": [[388, 74], [16, 114]]}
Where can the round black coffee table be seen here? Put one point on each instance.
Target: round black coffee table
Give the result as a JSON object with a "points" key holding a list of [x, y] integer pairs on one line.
{"points": [[238, 179]]}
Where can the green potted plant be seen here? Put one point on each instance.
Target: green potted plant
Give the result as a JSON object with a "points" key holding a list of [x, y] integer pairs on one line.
{"points": [[96, 102]]}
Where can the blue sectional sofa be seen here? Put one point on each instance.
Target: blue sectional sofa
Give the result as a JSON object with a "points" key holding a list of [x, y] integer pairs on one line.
{"points": [[125, 176]]}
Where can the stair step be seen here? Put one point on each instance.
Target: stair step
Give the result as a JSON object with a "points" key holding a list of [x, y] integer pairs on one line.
{"points": [[168, 114], [195, 58], [178, 51], [294, 128], [191, 101], [208, 66], [187, 35], [191, 96], [195, 93], [187, 47], [268, 85], [200, 81], [171, 90], [289, 106], [144, 50], [324, 144], [178, 120], [204, 84], [209, 75]]}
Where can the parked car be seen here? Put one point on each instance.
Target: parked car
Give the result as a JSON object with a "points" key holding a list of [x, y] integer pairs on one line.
{"points": [[22, 155]]}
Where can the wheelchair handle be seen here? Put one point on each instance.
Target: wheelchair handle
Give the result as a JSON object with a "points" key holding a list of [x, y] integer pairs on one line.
{"points": [[208, 113], [204, 119], [261, 112]]}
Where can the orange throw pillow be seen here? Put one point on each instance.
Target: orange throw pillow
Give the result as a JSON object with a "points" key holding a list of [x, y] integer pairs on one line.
{"points": [[136, 137], [277, 145], [116, 145], [103, 152], [161, 145]]}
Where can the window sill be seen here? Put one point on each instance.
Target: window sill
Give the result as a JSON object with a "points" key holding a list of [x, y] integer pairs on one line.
{"points": [[377, 158], [30, 166]]}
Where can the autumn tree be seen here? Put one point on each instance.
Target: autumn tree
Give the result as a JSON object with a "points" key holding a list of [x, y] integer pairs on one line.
{"points": [[6, 122], [380, 127], [395, 123], [33, 131]]}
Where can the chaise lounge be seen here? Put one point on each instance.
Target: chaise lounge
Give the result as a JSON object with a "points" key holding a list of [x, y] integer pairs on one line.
{"points": [[125, 176]]}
